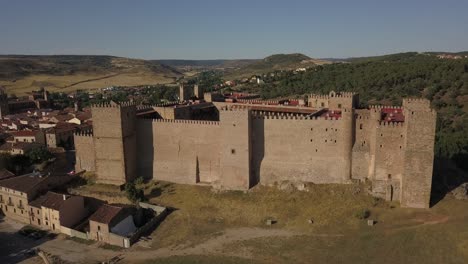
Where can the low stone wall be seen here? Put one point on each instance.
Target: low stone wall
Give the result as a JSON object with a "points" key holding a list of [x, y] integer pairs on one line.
{"points": [[119, 241], [73, 233], [148, 226]]}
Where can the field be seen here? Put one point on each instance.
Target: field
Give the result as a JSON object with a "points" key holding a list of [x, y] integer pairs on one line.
{"points": [[65, 73], [231, 226], [69, 83], [319, 225]]}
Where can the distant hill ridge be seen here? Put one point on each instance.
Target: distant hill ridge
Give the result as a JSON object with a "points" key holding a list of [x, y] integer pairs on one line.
{"points": [[276, 62], [22, 73]]}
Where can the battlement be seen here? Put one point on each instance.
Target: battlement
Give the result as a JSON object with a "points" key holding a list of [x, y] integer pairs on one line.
{"points": [[259, 102], [297, 117], [385, 106], [168, 104], [181, 121], [333, 94], [291, 116], [391, 124], [87, 133], [113, 104], [235, 108]]}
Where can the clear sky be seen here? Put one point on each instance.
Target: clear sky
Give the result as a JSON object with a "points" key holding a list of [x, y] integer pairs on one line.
{"points": [[215, 29]]}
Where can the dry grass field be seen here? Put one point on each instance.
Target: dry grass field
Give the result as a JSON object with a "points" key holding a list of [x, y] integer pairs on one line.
{"points": [[206, 226], [201, 217], [74, 82], [65, 73]]}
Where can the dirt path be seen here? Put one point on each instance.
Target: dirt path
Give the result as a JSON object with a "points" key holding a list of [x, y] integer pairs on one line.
{"points": [[421, 221], [214, 245], [74, 252], [91, 80]]}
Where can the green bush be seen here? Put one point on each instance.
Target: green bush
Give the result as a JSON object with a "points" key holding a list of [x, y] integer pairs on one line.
{"points": [[133, 193], [362, 214]]}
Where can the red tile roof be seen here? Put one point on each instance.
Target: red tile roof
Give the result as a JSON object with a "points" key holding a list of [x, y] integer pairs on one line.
{"points": [[6, 174], [106, 213], [23, 183], [25, 133], [50, 200]]}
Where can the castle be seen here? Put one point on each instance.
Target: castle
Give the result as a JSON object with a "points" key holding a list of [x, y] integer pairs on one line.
{"points": [[324, 139]]}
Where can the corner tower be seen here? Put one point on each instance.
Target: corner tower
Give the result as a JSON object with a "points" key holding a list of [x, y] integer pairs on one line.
{"points": [[420, 126], [114, 135]]}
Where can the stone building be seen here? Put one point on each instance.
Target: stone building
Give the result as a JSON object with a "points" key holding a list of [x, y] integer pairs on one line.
{"points": [[109, 222], [53, 211], [329, 139], [17, 192]]}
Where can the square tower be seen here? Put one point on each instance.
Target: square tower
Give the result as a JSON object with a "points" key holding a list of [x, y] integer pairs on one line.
{"points": [[114, 135], [420, 127], [236, 148]]}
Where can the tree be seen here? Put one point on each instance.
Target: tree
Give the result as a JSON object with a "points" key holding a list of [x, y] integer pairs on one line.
{"points": [[133, 193], [39, 154]]}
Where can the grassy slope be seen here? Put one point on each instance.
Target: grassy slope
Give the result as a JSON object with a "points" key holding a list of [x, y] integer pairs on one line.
{"points": [[20, 74], [437, 235]]}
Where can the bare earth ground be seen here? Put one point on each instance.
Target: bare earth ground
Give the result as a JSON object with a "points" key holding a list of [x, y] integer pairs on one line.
{"points": [[208, 227]]}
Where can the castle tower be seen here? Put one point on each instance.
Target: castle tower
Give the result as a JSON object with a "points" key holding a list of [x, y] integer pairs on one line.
{"points": [[3, 102], [420, 126], [114, 127], [198, 91], [46, 95], [183, 93], [77, 106], [236, 149], [347, 135], [374, 119]]}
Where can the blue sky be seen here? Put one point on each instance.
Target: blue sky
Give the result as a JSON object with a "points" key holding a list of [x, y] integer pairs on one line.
{"points": [[209, 29]]}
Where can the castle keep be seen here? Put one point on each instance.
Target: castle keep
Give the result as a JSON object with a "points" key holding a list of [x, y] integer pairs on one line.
{"points": [[235, 141]]}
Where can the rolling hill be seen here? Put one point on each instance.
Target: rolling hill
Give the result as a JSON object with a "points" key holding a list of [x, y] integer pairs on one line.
{"points": [[21, 73], [274, 63]]}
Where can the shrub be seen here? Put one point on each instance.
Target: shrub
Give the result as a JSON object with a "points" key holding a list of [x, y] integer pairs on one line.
{"points": [[139, 181], [134, 194], [362, 214]]}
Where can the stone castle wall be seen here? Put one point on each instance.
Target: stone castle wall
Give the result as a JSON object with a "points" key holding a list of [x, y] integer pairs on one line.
{"points": [[181, 151], [299, 149], [248, 147]]}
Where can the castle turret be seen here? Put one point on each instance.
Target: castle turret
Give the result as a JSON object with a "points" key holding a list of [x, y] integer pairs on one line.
{"points": [[198, 91], [184, 94], [420, 126], [114, 131]]}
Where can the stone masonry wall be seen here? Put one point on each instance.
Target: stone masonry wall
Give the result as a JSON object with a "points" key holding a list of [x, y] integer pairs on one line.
{"points": [[180, 151], [84, 146], [419, 153], [294, 149]]}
